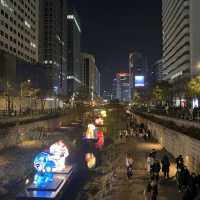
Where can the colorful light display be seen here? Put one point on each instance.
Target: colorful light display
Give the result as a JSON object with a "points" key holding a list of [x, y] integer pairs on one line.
{"points": [[59, 153], [90, 133], [103, 113], [50, 161], [90, 160], [100, 141], [99, 121], [44, 167]]}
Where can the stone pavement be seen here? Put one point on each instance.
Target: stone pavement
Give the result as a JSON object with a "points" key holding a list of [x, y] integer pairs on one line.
{"points": [[124, 189]]}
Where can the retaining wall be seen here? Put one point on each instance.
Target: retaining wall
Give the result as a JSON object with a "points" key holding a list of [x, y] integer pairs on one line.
{"points": [[13, 136], [176, 143]]}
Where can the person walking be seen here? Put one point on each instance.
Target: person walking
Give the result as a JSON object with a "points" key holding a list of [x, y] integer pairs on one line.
{"points": [[148, 134], [165, 166], [149, 164], [179, 162], [154, 189], [126, 135], [156, 170], [147, 192], [129, 165], [120, 135]]}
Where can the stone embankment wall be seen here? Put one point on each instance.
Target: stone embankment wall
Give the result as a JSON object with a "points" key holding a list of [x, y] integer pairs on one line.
{"points": [[176, 143], [178, 122], [13, 136]]}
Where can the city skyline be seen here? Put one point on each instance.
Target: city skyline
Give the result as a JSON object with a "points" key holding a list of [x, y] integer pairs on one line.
{"points": [[140, 30]]}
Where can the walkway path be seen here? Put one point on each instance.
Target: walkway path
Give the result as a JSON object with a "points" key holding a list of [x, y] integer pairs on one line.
{"points": [[123, 189]]}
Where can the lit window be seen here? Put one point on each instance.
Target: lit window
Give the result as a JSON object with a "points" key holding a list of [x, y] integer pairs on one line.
{"points": [[27, 24]]}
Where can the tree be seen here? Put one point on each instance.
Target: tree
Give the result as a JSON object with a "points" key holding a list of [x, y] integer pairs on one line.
{"points": [[137, 99], [83, 94], [26, 90], [9, 92], [161, 92], [194, 86]]}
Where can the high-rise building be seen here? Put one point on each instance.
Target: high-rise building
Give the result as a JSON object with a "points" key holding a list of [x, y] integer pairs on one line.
{"points": [[156, 72], [19, 29], [137, 69], [181, 39], [98, 82], [114, 89], [107, 96], [53, 42], [18, 35], [90, 74], [73, 52], [122, 87]]}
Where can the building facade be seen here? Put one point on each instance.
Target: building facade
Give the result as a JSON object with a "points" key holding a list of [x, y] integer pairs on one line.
{"points": [[107, 96], [53, 42], [18, 35], [73, 52], [114, 89], [137, 70], [90, 74], [181, 45], [19, 28], [181, 39], [156, 72], [122, 87]]}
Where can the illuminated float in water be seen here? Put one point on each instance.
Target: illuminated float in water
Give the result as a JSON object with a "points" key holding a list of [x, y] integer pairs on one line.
{"points": [[51, 173], [91, 132], [59, 153], [90, 160], [100, 141], [99, 121], [44, 166], [103, 113], [48, 162]]}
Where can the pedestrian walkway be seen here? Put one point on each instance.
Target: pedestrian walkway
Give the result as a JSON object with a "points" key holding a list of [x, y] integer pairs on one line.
{"points": [[124, 189]]}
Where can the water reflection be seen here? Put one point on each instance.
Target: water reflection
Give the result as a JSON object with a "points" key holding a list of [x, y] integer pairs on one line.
{"points": [[90, 160]]}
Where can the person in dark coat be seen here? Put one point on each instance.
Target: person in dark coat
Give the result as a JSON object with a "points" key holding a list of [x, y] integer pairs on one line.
{"points": [[154, 189], [179, 162], [188, 194], [182, 178], [193, 184], [165, 166], [156, 170]]}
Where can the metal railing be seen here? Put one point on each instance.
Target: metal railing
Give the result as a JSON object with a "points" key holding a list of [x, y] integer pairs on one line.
{"points": [[178, 113]]}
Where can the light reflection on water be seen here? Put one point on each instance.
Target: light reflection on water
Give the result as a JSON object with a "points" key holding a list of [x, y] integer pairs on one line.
{"points": [[90, 160]]}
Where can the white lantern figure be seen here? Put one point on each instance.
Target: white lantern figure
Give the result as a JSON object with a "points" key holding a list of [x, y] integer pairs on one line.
{"points": [[59, 153]]}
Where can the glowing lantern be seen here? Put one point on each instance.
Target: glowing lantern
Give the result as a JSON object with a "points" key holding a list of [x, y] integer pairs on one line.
{"points": [[100, 141], [99, 121], [59, 153], [44, 167], [90, 133], [91, 160], [103, 113]]}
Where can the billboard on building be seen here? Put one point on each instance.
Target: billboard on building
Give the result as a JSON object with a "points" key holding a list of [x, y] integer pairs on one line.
{"points": [[139, 81]]}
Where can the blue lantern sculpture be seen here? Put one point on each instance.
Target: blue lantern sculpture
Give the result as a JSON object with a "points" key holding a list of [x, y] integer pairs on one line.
{"points": [[44, 166]]}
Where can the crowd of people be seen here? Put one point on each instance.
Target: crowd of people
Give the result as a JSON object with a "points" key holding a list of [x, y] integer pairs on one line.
{"points": [[187, 183], [136, 130]]}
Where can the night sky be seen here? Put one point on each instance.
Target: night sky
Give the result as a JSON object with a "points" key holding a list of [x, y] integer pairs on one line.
{"points": [[111, 29]]}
